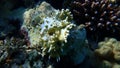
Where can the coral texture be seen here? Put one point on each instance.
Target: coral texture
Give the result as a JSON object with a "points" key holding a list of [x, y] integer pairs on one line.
{"points": [[54, 32], [109, 53], [99, 16], [14, 53]]}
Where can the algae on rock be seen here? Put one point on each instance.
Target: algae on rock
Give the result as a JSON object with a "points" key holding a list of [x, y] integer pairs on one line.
{"points": [[53, 31]]}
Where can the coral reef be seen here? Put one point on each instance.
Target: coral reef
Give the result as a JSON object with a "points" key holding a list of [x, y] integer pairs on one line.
{"points": [[108, 53], [43, 35], [54, 33], [7, 47], [101, 17], [14, 53]]}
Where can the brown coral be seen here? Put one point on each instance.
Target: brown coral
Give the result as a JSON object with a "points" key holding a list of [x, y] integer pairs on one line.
{"points": [[101, 17]]}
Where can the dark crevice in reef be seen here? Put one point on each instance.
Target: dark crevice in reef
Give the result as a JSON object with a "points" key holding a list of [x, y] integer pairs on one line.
{"points": [[57, 4]]}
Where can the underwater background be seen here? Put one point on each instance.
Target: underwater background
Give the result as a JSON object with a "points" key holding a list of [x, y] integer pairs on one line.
{"points": [[59, 33]]}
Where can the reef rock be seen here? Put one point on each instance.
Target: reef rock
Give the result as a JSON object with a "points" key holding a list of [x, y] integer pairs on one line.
{"points": [[54, 33]]}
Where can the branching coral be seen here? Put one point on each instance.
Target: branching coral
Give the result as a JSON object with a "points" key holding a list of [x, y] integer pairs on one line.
{"points": [[53, 31], [99, 16]]}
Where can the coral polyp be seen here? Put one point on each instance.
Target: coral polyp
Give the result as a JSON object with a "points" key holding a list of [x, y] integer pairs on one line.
{"points": [[99, 16]]}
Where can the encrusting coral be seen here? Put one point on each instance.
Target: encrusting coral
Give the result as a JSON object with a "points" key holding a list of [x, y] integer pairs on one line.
{"points": [[108, 53], [99, 16], [53, 31]]}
